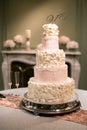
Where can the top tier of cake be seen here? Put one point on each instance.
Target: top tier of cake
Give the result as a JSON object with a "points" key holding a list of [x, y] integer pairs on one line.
{"points": [[50, 37]]}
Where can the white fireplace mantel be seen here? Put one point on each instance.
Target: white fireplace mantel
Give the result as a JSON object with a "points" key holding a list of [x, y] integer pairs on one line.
{"points": [[29, 57], [73, 59]]}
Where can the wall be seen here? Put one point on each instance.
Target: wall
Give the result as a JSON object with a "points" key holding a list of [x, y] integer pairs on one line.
{"points": [[83, 45], [2, 36], [23, 15], [19, 15]]}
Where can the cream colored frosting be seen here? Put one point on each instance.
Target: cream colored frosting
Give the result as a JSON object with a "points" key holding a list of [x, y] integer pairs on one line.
{"points": [[51, 92], [50, 29], [50, 58]]}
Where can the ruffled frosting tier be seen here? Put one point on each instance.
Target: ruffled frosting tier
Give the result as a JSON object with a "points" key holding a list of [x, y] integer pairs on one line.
{"points": [[51, 92], [49, 59]]}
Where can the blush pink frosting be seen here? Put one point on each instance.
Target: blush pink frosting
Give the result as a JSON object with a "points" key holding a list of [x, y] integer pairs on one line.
{"points": [[51, 75], [50, 43]]}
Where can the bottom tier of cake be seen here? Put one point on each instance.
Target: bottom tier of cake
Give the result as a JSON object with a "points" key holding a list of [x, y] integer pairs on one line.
{"points": [[58, 92]]}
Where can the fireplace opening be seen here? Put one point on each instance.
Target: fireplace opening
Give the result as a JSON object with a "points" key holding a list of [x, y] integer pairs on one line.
{"points": [[69, 69], [25, 72]]}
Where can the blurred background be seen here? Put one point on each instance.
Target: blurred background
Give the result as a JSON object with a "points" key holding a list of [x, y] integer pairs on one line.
{"points": [[18, 15]]}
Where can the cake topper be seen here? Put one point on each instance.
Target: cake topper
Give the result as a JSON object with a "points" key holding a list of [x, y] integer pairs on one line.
{"points": [[51, 18]]}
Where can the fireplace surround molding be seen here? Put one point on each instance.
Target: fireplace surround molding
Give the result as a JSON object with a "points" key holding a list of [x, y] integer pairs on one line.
{"points": [[73, 59], [29, 57]]}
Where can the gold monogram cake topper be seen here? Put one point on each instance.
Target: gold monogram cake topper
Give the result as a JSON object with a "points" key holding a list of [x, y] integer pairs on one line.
{"points": [[51, 18]]}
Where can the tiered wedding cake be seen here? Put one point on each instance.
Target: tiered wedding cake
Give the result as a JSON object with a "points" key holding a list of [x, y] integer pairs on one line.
{"points": [[50, 83]]}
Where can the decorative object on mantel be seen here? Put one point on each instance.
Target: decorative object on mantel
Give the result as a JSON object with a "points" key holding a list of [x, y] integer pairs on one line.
{"points": [[63, 40], [72, 46], [28, 37], [39, 46], [18, 42], [18, 39], [9, 44], [68, 45]]}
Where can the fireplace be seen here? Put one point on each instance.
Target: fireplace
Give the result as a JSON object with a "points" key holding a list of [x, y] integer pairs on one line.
{"points": [[69, 69], [25, 72], [24, 61], [74, 68]]}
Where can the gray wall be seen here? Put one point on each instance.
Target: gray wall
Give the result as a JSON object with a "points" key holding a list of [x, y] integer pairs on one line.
{"points": [[19, 15], [3, 33]]}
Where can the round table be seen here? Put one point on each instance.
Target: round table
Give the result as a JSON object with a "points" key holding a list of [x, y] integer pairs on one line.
{"points": [[20, 119]]}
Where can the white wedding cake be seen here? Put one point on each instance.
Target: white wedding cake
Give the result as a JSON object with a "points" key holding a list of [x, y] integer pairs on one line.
{"points": [[50, 83]]}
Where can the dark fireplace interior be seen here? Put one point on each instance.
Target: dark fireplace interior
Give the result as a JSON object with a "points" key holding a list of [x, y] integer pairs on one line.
{"points": [[69, 69], [25, 72]]}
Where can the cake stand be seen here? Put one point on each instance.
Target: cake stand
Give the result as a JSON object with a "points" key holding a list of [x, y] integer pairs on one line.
{"points": [[39, 108]]}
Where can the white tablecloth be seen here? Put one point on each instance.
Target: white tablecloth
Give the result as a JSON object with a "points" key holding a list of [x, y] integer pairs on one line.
{"points": [[17, 119]]}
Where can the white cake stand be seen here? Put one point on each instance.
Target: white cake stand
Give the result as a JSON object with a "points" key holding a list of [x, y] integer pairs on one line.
{"points": [[50, 108]]}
